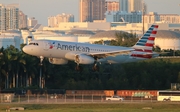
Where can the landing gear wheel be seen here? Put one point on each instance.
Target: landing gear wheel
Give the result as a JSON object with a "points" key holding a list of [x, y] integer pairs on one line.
{"points": [[95, 68], [41, 60], [78, 68]]}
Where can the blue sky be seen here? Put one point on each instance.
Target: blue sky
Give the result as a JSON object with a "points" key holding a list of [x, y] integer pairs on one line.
{"points": [[41, 9]]}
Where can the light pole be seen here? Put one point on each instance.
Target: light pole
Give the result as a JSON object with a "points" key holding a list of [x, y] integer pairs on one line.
{"points": [[143, 15], [1, 54]]}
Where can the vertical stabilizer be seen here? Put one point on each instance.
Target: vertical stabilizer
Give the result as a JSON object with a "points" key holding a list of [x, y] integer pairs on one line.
{"points": [[146, 42]]}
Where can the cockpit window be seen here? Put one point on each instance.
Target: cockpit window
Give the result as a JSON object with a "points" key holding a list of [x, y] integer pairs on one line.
{"points": [[33, 44]]}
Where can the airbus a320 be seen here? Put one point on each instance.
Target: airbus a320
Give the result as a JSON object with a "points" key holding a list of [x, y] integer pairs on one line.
{"points": [[60, 52]]}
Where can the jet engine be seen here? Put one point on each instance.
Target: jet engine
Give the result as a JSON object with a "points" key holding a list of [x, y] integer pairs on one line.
{"points": [[80, 58], [58, 61]]}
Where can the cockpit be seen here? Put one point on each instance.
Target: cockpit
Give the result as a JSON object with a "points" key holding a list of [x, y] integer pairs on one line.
{"points": [[34, 44]]}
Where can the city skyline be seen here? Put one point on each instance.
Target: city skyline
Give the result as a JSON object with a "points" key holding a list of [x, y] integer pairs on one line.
{"points": [[42, 9]]}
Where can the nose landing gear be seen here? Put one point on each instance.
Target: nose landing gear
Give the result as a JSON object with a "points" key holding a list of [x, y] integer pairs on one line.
{"points": [[95, 67]]}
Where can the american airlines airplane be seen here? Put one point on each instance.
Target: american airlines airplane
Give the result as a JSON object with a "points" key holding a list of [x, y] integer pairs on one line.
{"points": [[60, 52]]}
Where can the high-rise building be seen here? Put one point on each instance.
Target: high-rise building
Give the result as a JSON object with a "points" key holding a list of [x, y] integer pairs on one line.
{"points": [[91, 10], [112, 6], [22, 20], [169, 18], [132, 6], [53, 21], [32, 22], [123, 5], [135, 5], [154, 17], [119, 16], [9, 18]]}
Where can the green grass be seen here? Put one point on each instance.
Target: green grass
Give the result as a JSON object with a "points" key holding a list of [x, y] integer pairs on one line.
{"points": [[95, 107]]}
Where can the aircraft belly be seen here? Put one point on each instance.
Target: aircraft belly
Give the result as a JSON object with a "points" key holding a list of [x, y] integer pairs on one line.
{"points": [[117, 59], [51, 53], [58, 53], [133, 59]]}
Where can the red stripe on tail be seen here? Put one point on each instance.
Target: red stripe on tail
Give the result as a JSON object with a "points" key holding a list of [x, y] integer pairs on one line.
{"points": [[149, 44], [154, 32], [151, 38], [141, 56], [156, 26]]}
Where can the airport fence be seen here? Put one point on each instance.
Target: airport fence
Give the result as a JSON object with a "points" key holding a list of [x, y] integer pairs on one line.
{"points": [[66, 98]]}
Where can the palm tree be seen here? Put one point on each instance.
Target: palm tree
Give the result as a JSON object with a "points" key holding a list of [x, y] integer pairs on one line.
{"points": [[20, 68], [2, 71], [31, 68], [13, 62]]}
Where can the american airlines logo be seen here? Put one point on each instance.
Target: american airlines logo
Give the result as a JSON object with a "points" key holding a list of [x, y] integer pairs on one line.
{"points": [[73, 47]]}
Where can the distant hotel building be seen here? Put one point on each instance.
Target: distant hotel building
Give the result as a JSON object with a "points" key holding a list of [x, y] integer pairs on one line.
{"points": [[132, 6], [53, 21], [123, 5], [153, 17], [169, 18], [112, 6], [9, 18], [22, 20], [118, 16], [135, 5], [91, 10], [32, 22]]}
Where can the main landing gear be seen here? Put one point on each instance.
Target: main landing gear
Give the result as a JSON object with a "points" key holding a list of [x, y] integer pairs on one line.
{"points": [[95, 67], [41, 60], [78, 68], [40, 75]]}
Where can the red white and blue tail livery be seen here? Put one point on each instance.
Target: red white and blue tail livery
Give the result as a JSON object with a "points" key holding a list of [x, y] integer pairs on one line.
{"points": [[143, 48]]}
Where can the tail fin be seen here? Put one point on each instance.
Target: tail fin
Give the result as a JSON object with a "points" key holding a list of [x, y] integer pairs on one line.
{"points": [[146, 42]]}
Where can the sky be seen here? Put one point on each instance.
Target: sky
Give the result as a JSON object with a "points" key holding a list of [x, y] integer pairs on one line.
{"points": [[42, 9]]}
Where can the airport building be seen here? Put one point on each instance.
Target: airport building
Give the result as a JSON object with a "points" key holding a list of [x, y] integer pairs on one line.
{"points": [[165, 39], [11, 37], [168, 40], [81, 26]]}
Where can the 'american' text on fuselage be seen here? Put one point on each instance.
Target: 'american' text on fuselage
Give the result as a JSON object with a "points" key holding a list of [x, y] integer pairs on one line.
{"points": [[73, 48]]}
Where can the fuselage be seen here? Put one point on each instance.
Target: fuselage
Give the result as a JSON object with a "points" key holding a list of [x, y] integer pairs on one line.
{"points": [[58, 49]]}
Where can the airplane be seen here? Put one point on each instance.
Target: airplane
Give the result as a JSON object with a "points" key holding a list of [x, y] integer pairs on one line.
{"points": [[60, 52]]}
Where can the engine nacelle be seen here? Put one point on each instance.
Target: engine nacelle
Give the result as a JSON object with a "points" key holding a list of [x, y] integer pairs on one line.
{"points": [[58, 61], [80, 58]]}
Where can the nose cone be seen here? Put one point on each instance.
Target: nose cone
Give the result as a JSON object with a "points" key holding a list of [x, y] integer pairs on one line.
{"points": [[25, 49]]}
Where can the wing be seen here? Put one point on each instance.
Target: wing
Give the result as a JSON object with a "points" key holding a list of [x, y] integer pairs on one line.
{"points": [[112, 53]]}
